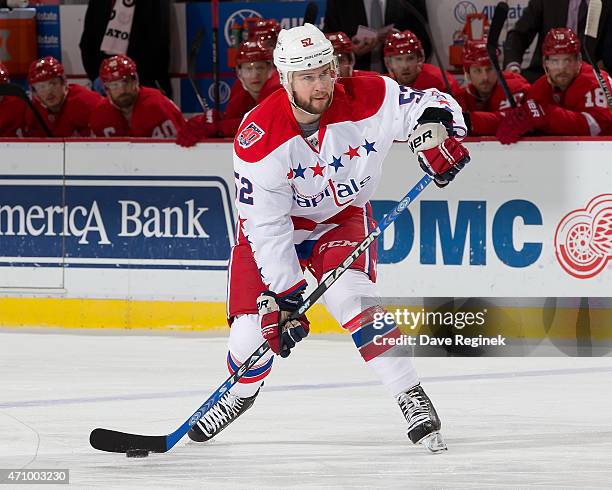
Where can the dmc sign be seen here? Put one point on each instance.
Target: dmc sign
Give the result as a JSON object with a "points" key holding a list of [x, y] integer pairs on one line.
{"points": [[467, 228]]}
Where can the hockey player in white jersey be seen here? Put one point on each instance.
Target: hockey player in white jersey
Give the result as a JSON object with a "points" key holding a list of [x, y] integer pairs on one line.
{"points": [[307, 161]]}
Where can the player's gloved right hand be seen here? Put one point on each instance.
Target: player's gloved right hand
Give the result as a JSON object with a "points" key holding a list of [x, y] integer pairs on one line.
{"points": [[282, 334], [519, 121], [198, 128], [439, 155]]}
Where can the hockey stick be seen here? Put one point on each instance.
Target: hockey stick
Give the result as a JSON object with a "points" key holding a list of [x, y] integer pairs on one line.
{"points": [[121, 442], [191, 67], [425, 24], [311, 13], [215, 54], [591, 30], [497, 23], [14, 90]]}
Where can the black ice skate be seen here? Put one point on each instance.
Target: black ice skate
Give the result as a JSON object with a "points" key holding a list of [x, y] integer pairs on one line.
{"points": [[423, 422], [229, 408]]}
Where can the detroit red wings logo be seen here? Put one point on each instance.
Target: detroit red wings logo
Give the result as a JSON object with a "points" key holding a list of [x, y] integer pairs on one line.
{"points": [[583, 240]]}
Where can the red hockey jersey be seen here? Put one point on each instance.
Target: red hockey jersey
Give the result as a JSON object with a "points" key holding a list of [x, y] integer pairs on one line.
{"points": [[580, 110], [485, 115], [71, 120], [154, 116], [242, 102], [12, 117], [431, 77]]}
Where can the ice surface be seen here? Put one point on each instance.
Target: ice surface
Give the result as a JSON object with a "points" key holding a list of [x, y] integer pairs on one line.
{"points": [[322, 420]]}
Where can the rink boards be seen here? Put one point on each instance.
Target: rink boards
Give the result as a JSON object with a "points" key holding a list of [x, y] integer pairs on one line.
{"points": [[137, 235]]}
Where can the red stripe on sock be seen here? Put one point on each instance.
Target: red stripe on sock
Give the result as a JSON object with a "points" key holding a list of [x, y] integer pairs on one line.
{"points": [[248, 380], [372, 350], [364, 318]]}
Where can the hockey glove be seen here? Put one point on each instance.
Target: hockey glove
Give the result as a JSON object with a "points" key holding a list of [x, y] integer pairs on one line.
{"points": [[519, 121], [282, 334], [198, 128], [439, 155]]}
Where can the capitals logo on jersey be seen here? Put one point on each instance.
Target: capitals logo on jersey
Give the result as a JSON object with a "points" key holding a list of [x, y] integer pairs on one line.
{"points": [[249, 135]]}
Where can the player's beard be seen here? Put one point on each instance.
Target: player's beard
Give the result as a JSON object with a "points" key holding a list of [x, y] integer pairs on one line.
{"points": [[314, 106], [407, 77], [125, 101], [561, 80], [485, 89]]}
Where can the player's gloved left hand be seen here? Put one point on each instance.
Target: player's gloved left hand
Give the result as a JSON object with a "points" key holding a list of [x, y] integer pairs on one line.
{"points": [[439, 155], [198, 128], [282, 334], [521, 120]]}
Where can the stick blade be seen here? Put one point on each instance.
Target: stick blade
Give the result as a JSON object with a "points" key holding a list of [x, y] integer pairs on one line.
{"points": [[497, 24], [120, 442], [311, 13]]}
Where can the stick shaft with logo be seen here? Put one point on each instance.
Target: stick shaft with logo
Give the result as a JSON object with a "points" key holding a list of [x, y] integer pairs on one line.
{"points": [[591, 30], [215, 54], [122, 442]]}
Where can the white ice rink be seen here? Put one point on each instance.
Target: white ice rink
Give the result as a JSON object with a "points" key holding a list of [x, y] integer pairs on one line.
{"points": [[322, 420]]}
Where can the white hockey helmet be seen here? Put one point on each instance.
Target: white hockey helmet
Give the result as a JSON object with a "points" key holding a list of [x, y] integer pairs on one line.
{"points": [[302, 48]]}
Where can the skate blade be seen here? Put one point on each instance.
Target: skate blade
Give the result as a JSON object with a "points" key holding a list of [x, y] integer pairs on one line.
{"points": [[434, 442]]}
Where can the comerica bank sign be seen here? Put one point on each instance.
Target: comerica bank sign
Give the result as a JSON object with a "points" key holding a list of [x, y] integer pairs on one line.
{"points": [[184, 218]]}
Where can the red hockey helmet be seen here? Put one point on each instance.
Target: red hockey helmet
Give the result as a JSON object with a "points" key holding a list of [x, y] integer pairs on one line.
{"points": [[561, 40], [475, 54], [251, 51], [45, 69], [405, 42], [117, 68], [265, 32], [341, 42], [4, 74]]}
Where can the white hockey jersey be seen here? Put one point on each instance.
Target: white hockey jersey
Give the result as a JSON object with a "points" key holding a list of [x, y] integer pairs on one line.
{"points": [[282, 179]]}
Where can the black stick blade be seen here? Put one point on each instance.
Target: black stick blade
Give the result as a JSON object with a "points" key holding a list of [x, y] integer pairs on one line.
{"points": [[311, 13], [12, 89], [497, 24], [121, 442]]}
